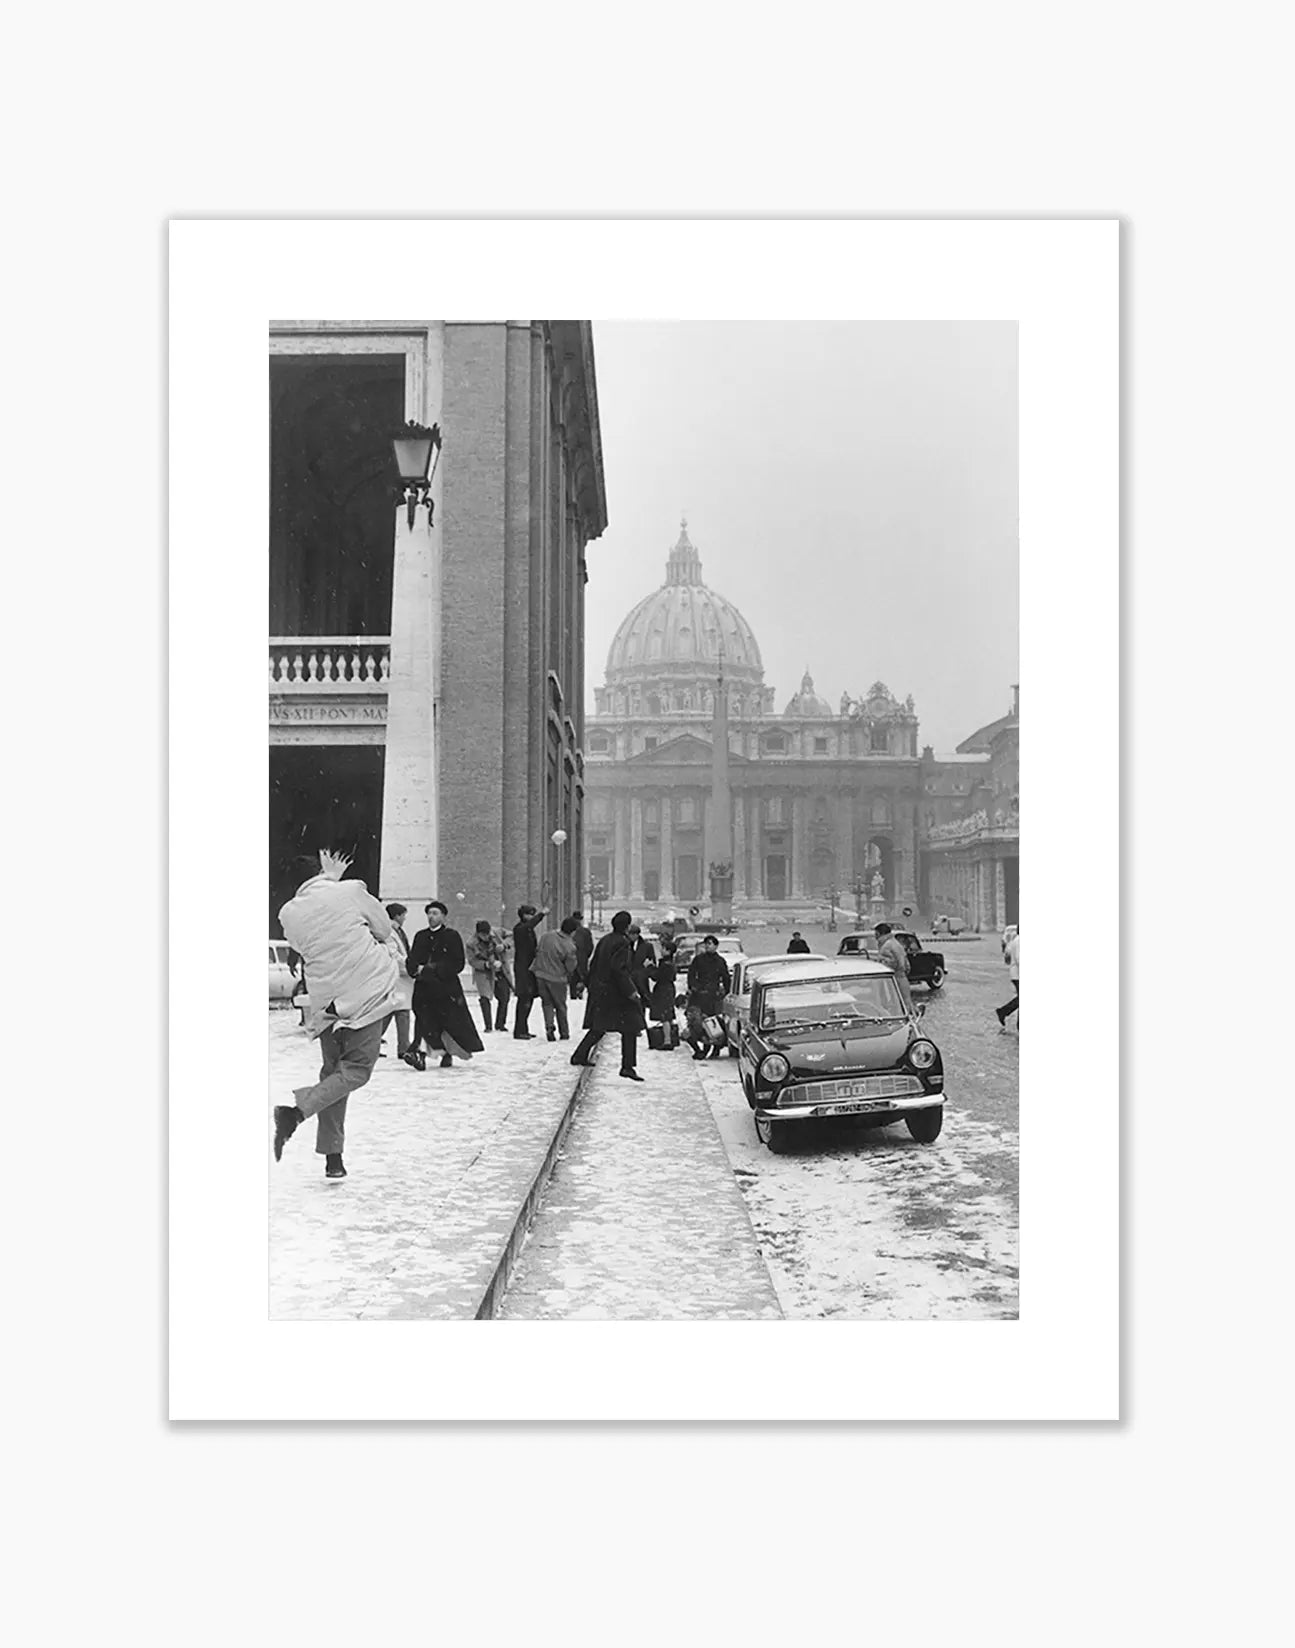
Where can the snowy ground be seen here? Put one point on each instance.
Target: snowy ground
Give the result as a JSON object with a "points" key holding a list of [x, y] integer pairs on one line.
{"points": [[865, 1223], [438, 1162], [641, 1220]]}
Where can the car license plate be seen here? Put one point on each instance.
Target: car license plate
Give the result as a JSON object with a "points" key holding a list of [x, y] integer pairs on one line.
{"points": [[858, 1105]]}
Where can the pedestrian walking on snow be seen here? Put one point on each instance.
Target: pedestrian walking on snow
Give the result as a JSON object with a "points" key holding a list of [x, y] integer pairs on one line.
{"points": [[486, 959], [662, 1001], [583, 940], [436, 959], [398, 944], [524, 945], [893, 955], [708, 984], [340, 931], [614, 1003], [1012, 956], [554, 969]]}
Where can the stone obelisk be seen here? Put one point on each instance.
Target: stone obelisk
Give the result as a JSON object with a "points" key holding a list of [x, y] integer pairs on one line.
{"points": [[719, 819]]}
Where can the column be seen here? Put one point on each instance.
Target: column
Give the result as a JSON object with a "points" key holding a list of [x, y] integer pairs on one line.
{"points": [[667, 847], [844, 805], [799, 846], [754, 880], [636, 847], [907, 883], [620, 887], [409, 789], [739, 847], [1000, 895]]}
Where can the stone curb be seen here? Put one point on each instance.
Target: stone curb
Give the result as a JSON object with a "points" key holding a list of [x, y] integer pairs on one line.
{"points": [[488, 1305]]}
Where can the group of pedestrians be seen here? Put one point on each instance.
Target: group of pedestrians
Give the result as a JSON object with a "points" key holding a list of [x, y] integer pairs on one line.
{"points": [[630, 984], [365, 974]]}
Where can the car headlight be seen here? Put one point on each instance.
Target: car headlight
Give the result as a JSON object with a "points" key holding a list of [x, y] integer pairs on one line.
{"points": [[922, 1054], [774, 1068]]}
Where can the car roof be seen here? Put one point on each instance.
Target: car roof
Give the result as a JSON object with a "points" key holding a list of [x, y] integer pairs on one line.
{"points": [[831, 967]]}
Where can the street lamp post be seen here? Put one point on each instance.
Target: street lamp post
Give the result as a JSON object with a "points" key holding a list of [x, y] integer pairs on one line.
{"points": [[860, 893], [413, 448], [831, 894]]}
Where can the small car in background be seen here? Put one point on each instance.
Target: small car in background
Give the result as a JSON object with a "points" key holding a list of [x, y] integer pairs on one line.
{"points": [[832, 1039], [924, 966], [283, 976]]}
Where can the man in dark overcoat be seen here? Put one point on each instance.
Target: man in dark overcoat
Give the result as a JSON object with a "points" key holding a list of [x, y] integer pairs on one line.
{"points": [[614, 1002], [708, 984], [583, 940], [435, 960], [525, 944]]}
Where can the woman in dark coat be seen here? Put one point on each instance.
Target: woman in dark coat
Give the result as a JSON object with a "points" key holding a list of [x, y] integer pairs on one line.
{"points": [[614, 1002], [663, 998], [441, 1013]]}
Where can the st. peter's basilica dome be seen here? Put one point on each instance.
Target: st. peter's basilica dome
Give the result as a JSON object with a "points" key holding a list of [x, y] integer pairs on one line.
{"points": [[679, 632]]}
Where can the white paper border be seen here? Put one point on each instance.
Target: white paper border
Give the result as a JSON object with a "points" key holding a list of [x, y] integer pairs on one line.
{"points": [[1059, 280]]}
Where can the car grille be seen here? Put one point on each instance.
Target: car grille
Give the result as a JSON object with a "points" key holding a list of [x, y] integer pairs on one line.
{"points": [[851, 1087]]}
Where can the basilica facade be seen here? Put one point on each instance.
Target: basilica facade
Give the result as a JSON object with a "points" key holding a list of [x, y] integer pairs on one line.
{"points": [[823, 800]]}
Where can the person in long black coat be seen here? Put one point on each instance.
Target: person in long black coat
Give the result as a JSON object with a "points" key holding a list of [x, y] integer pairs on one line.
{"points": [[435, 960], [614, 1003], [663, 998]]}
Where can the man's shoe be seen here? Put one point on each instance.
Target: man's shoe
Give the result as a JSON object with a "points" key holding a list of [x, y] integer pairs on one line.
{"points": [[564, 1038], [415, 1060], [702, 1054], [333, 1168], [576, 1059], [1000, 1015], [550, 1035], [287, 1119], [631, 1075], [446, 1061]]}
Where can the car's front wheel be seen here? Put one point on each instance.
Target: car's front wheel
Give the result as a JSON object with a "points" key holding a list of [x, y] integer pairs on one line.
{"points": [[925, 1125], [776, 1136], [937, 977]]}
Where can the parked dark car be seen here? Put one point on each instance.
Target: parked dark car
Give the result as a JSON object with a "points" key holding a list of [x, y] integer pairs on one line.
{"points": [[829, 1039], [924, 966]]}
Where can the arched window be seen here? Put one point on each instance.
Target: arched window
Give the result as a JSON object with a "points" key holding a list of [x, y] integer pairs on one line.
{"points": [[654, 704], [879, 738]]}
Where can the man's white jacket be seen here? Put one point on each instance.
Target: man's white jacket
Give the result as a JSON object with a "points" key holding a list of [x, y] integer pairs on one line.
{"points": [[341, 932]]}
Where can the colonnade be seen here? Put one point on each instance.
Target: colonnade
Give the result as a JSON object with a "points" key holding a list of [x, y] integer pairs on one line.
{"points": [[806, 878]]}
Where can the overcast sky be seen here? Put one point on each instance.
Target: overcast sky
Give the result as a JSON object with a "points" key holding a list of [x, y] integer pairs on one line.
{"points": [[849, 485]]}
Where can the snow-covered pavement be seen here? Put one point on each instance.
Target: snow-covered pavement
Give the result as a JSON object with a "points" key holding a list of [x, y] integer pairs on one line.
{"points": [[641, 1219], [438, 1165], [864, 1223], [869, 1224]]}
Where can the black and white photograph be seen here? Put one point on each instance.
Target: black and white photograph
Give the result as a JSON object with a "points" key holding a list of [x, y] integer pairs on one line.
{"points": [[624, 711], [644, 857]]}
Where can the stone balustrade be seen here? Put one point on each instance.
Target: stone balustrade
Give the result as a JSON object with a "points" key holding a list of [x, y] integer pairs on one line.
{"points": [[329, 663]]}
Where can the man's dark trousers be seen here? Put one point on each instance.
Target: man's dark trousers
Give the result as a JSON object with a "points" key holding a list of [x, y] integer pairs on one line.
{"points": [[525, 996], [591, 1038]]}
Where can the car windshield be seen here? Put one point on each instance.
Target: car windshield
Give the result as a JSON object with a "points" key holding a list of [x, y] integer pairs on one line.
{"points": [[822, 1001]]}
